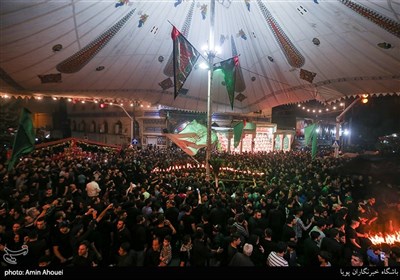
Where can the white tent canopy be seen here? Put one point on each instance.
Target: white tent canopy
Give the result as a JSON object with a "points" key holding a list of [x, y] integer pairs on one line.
{"points": [[289, 51]]}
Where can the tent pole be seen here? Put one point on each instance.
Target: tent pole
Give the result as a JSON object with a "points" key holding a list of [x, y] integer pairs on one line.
{"points": [[339, 120], [130, 118], [210, 55]]}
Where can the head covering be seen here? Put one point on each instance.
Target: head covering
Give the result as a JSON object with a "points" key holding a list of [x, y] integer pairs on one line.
{"points": [[348, 199]]}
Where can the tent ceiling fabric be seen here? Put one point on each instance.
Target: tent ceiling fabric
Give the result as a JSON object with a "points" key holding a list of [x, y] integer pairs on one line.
{"points": [[290, 51]]}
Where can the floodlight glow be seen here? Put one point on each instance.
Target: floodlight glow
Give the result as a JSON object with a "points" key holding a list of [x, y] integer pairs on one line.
{"points": [[204, 49], [203, 65]]}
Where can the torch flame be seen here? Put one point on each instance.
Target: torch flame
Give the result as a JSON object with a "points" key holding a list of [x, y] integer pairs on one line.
{"points": [[380, 238]]}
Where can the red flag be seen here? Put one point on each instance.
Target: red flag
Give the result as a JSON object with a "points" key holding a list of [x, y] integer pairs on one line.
{"points": [[184, 58]]}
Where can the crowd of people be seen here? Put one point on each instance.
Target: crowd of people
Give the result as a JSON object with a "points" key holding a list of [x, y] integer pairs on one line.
{"points": [[156, 207]]}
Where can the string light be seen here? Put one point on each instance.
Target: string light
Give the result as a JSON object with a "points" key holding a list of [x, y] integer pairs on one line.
{"points": [[138, 103], [75, 100], [364, 99], [329, 109], [316, 109]]}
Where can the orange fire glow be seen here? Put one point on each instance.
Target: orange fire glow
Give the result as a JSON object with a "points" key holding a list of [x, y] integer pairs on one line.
{"points": [[387, 238]]}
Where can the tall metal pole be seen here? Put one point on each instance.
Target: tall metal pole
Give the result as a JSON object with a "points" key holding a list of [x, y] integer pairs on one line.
{"points": [[130, 118], [211, 55], [133, 126], [339, 120]]}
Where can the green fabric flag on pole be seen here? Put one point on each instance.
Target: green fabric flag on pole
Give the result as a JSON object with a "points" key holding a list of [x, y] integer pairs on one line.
{"points": [[24, 141], [192, 138], [237, 133], [310, 133], [229, 69]]}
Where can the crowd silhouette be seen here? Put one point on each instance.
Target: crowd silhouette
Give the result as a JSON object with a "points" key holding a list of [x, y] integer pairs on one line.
{"points": [[93, 206]]}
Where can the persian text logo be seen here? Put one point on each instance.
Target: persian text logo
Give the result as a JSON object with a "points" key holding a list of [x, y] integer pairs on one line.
{"points": [[9, 255]]}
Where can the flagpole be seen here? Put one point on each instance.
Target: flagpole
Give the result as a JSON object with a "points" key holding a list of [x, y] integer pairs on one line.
{"points": [[338, 121], [210, 55]]}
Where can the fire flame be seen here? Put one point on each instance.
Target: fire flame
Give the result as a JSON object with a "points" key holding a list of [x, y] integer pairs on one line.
{"points": [[387, 238]]}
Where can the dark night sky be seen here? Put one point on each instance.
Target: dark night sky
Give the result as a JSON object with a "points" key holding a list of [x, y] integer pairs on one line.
{"points": [[380, 116]]}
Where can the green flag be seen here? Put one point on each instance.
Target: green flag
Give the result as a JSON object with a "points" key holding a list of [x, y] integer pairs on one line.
{"points": [[310, 133], [237, 133], [250, 126], [24, 141], [229, 67], [192, 138]]}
